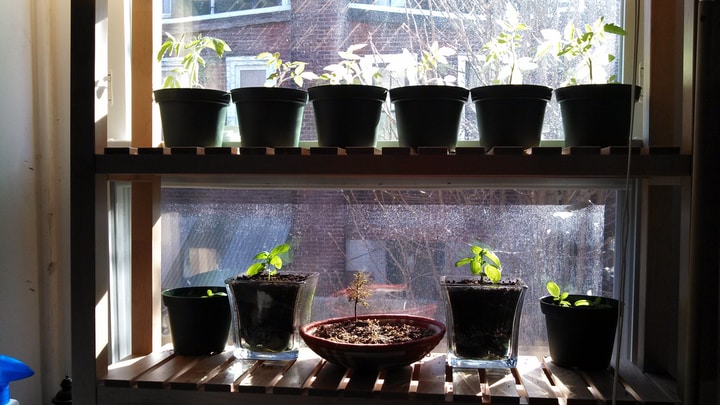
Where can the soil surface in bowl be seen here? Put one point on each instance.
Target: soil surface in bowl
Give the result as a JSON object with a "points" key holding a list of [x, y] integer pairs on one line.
{"points": [[371, 331]]}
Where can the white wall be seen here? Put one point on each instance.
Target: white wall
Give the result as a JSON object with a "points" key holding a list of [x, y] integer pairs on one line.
{"points": [[34, 191]]}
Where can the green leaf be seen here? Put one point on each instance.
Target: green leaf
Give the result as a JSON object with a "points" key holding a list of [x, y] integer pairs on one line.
{"points": [[611, 28], [553, 288], [463, 262], [582, 303], [262, 255], [255, 268], [276, 261], [493, 273], [280, 249], [476, 267]]}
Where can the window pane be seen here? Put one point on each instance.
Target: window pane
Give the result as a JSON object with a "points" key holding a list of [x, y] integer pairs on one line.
{"points": [[405, 239], [315, 31]]}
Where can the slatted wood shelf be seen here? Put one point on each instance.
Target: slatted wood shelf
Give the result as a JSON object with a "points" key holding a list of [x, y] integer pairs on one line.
{"points": [[166, 378], [472, 162]]}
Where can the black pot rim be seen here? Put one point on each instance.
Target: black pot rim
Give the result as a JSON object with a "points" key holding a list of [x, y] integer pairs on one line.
{"points": [[245, 94], [347, 91], [607, 90], [192, 94], [429, 92], [514, 91], [201, 289], [548, 307]]}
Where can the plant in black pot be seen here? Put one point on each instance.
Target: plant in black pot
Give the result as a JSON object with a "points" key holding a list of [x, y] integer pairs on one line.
{"points": [[348, 109], [580, 328], [272, 116], [199, 319], [595, 109], [429, 110], [191, 115], [508, 112], [373, 342], [269, 306], [483, 313]]}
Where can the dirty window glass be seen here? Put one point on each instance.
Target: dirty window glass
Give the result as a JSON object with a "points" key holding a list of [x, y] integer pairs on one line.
{"points": [[404, 239]]}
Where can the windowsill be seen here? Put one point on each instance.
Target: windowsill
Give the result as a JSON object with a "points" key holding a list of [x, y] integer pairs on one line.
{"points": [[166, 378]]}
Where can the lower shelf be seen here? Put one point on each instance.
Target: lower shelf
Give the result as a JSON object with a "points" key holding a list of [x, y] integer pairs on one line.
{"points": [[166, 378]]}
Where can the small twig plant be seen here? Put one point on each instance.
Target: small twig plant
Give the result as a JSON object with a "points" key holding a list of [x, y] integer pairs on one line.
{"points": [[192, 60], [358, 291], [483, 262], [283, 71], [268, 261]]}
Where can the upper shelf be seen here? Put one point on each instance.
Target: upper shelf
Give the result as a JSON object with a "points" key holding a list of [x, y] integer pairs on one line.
{"points": [[465, 164]]}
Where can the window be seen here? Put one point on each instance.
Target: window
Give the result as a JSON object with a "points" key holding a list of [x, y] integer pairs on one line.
{"points": [[402, 238], [315, 34]]}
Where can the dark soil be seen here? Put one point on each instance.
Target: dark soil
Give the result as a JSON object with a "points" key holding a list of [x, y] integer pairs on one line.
{"points": [[285, 277], [369, 331]]}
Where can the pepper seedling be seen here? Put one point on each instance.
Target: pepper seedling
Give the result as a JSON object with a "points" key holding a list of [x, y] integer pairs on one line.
{"points": [[561, 297], [483, 262], [268, 261]]}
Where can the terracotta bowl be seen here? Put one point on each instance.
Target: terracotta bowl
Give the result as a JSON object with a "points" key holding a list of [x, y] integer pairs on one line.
{"points": [[375, 356]]}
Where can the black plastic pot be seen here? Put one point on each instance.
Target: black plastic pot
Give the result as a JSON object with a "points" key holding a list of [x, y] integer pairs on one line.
{"points": [[269, 116], [192, 116], [267, 314], [347, 114], [596, 114], [483, 321], [428, 115], [510, 115], [580, 337], [198, 325]]}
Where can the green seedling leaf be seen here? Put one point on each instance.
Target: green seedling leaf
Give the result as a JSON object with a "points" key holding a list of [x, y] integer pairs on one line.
{"points": [[483, 262]]}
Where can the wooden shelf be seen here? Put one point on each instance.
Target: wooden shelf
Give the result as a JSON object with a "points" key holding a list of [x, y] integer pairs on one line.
{"points": [[165, 378], [397, 162]]}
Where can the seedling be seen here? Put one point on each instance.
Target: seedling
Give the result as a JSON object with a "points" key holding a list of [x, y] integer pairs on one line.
{"points": [[269, 262], [358, 292], [211, 294], [561, 297], [285, 70], [483, 262], [573, 43], [192, 59], [352, 69], [427, 71], [502, 50]]}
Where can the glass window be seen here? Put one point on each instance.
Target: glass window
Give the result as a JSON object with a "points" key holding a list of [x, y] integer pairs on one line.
{"points": [[405, 239], [314, 32]]}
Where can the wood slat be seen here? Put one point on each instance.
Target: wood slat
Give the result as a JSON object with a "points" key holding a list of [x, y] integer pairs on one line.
{"points": [[125, 375], [466, 385], [645, 387], [501, 386], [225, 379], [535, 382], [295, 378], [602, 382], [396, 382], [362, 383], [571, 385], [202, 371], [327, 380], [158, 376], [431, 377], [263, 376]]}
